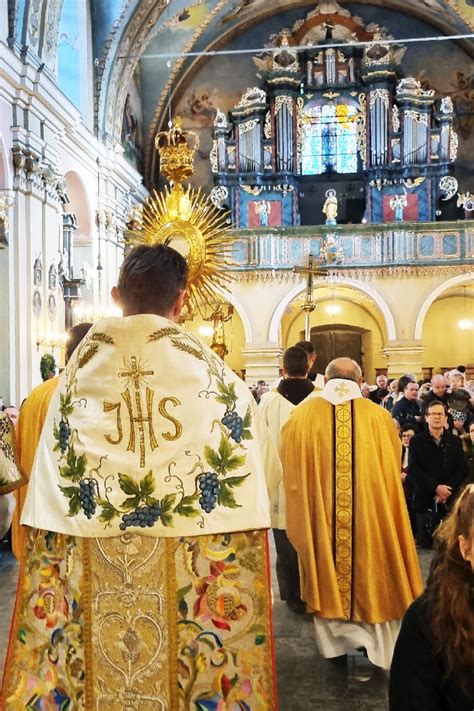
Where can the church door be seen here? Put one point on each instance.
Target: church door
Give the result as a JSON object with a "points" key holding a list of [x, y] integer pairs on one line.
{"points": [[336, 343]]}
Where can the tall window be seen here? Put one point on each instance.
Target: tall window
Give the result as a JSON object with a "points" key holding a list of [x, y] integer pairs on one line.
{"points": [[329, 138]]}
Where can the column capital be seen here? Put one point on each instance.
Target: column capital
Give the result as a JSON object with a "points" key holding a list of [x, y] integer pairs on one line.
{"points": [[261, 361], [404, 357]]}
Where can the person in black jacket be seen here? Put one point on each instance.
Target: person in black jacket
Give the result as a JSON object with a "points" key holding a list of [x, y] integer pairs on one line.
{"points": [[437, 469], [433, 661], [407, 409]]}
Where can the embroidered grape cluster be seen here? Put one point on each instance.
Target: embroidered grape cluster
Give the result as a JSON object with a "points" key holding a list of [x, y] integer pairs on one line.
{"points": [[209, 486], [235, 424], [142, 517], [64, 434], [87, 496]]}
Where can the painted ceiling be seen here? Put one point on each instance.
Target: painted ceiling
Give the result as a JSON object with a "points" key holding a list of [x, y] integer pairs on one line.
{"points": [[127, 33]]}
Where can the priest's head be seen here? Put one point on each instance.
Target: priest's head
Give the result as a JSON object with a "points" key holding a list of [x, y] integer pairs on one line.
{"points": [[152, 280], [345, 368]]}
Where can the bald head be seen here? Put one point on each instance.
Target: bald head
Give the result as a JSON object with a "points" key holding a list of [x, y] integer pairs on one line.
{"points": [[439, 385], [343, 368]]}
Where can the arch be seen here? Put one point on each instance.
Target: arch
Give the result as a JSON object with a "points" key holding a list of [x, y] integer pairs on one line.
{"points": [[274, 329], [433, 296], [79, 203], [240, 311]]}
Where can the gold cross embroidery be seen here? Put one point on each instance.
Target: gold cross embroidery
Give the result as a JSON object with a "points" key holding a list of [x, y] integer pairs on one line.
{"points": [[342, 390], [137, 376]]}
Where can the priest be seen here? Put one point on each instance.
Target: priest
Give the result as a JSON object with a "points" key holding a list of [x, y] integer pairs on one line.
{"points": [[347, 517], [145, 576]]}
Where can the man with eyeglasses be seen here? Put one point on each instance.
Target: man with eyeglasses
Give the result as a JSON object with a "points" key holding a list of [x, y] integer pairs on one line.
{"points": [[437, 470]]}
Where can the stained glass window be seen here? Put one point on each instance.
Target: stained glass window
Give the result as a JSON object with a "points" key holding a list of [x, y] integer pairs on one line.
{"points": [[329, 138]]}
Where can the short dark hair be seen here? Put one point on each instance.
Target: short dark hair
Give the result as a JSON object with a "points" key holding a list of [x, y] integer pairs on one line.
{"points": [[403, 382], [295, 361], [306, 346], [74, 336], [151, 278], [433, 403], [409, 426]]}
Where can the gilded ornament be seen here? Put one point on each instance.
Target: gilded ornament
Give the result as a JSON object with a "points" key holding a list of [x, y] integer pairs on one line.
{"points": [[187, 220]]}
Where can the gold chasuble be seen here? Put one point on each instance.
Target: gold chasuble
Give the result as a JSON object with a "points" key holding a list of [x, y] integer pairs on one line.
{"points": [[30, 423], [145, 573], [347, 519]]}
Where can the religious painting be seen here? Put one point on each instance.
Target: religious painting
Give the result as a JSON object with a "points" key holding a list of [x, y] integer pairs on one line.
{"points": [[132, 123], [264, 213], [409, 213]]}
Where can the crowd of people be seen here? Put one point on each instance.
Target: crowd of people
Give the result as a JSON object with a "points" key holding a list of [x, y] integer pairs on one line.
{"points": [[154, 474]]}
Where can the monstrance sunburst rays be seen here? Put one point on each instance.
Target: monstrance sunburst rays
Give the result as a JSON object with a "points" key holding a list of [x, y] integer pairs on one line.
{"points": [[186, 219]]}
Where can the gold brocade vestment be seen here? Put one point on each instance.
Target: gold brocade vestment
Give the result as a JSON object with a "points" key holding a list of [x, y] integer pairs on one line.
{"points": [[346, 514]]}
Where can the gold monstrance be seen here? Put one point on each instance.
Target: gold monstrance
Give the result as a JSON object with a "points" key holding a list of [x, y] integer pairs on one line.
{"points": [[187, 220]]}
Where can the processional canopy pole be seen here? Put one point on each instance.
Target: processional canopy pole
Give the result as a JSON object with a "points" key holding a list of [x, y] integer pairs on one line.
{"points": [[309, 304]]}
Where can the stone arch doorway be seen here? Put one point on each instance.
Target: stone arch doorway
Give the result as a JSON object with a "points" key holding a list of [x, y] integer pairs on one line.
{"points": [[339, 341]]}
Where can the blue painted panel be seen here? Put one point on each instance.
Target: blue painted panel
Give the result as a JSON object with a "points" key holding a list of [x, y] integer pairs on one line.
{"points": [[239, 252], [296, 251], [450, 245], [366, 248], [348, 248], [427, 246], [315, 247]]}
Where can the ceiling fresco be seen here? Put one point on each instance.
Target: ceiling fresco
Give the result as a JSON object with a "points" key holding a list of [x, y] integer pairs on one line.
{"points": [[132, 30]]}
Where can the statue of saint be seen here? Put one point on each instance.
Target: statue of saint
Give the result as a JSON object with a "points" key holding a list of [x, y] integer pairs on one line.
{"points": [[218, 319], [263, 208], [330, 207]]}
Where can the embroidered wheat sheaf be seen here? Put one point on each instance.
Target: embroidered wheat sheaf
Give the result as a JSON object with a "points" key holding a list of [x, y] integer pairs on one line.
{"points": [[103, 338], [88, 355], [188, 349], [162, 333]]}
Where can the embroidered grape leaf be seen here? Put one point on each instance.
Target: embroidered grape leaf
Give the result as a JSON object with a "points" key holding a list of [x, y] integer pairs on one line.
{"points": [[57, 446], [223, 460], [236, 480], [131, 503], [109, 512], [248, 418], [147, 484], [227, 396], [65, 406], [128, 486], [72, 493], [167, 503], [225, 497], [247, 423], [75, 467], [260, 639], [211, 457], [186, 506]]}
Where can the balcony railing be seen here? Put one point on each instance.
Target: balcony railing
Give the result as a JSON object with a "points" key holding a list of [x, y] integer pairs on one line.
{"points": [[380, 245]]}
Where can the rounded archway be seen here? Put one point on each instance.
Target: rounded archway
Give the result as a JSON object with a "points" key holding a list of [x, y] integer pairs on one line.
{"points": [[447, 328], [79, 205], [346, 322], [274, 333]]}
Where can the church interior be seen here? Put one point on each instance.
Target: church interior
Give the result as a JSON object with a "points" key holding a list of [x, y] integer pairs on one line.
{"points": [[332, 142]]}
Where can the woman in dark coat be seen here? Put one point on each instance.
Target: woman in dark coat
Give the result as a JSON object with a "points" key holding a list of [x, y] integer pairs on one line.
{"points": [[433, 662]]}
